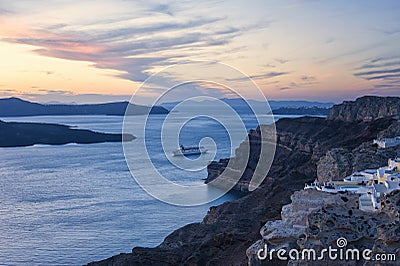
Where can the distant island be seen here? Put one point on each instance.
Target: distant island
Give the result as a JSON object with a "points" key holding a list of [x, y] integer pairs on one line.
{"points": [[242, 106], [313, 110], [18, 107], [15, 134]]}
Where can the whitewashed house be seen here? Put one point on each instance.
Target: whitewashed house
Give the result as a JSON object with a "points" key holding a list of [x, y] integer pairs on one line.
{"points": [[387, 142]]}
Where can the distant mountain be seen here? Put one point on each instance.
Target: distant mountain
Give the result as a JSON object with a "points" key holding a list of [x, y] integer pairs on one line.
{"points": [[240, 104], [19, 107]]}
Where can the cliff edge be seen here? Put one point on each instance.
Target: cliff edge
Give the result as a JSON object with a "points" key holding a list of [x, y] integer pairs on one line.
{"points": [[366, 108], [228, 230]]}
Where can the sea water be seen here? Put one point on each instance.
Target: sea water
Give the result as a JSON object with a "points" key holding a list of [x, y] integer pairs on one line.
{"points": [[76, 203]]}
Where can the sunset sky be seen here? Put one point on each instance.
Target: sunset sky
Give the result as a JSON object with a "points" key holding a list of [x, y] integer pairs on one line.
{"points": [[95, 51]]}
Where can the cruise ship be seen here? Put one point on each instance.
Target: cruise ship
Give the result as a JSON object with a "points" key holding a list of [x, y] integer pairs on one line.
{"points": [[189, 151]]}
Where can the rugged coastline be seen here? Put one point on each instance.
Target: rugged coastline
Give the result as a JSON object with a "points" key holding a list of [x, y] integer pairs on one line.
{"points": [[304, 147]]}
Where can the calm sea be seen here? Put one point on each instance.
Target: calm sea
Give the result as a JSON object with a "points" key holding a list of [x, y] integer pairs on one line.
{"points": [[76, 203]]}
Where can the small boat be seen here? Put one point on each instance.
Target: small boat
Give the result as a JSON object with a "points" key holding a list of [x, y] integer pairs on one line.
{"points": [[189, 151]]}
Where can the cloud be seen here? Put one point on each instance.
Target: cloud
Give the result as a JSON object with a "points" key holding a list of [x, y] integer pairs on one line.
{"points": [[269, 65], [7, 92], [299, 3], [282, 60], [308, 78], [162, 8], [395, 76], [388, 31], [380, 62], [195, 89], [374, 72], [352, 52], [60, 97], [380, 69], [56, 92], [133, 49], [330, 40], [4, 11], [267, 75], [390, 86], [303, 82]]}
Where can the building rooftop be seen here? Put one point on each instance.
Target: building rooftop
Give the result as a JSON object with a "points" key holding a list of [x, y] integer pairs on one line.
{"points": [[380, 188]]}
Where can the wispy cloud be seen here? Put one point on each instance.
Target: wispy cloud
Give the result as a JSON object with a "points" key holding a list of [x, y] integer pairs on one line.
{"points": [[60, 97], [5, 92], [282, 60], [308, 79], [302, 82], [56, 92], [379, 68], [380, 62], [4, 11], [267, 75], [389, 32], [383, 71], [330, 40], [394, 76], [130, 46], [375, 72], [352, 52], [163, 8], [299, 3]]}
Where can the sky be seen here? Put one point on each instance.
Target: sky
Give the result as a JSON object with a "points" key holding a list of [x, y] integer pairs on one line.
{"points": [[98, 51]]}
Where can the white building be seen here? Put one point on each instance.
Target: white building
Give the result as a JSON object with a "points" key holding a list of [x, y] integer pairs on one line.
{"points": [[387, 142], [365, 202], [362, 176], [370, 184]]}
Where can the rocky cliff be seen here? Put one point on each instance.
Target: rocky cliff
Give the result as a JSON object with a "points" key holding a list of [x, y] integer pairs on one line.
{"points": [[340, 163], [365, 108], [228, 230], [315, 220], [303, 141]]}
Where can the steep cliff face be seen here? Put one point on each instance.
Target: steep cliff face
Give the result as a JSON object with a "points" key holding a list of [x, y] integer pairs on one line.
{"points": [[301, 142], [287, 232], [335, 165], [229, 229], [365, 108], [315, 220], [379, 232], [339, 163]]}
